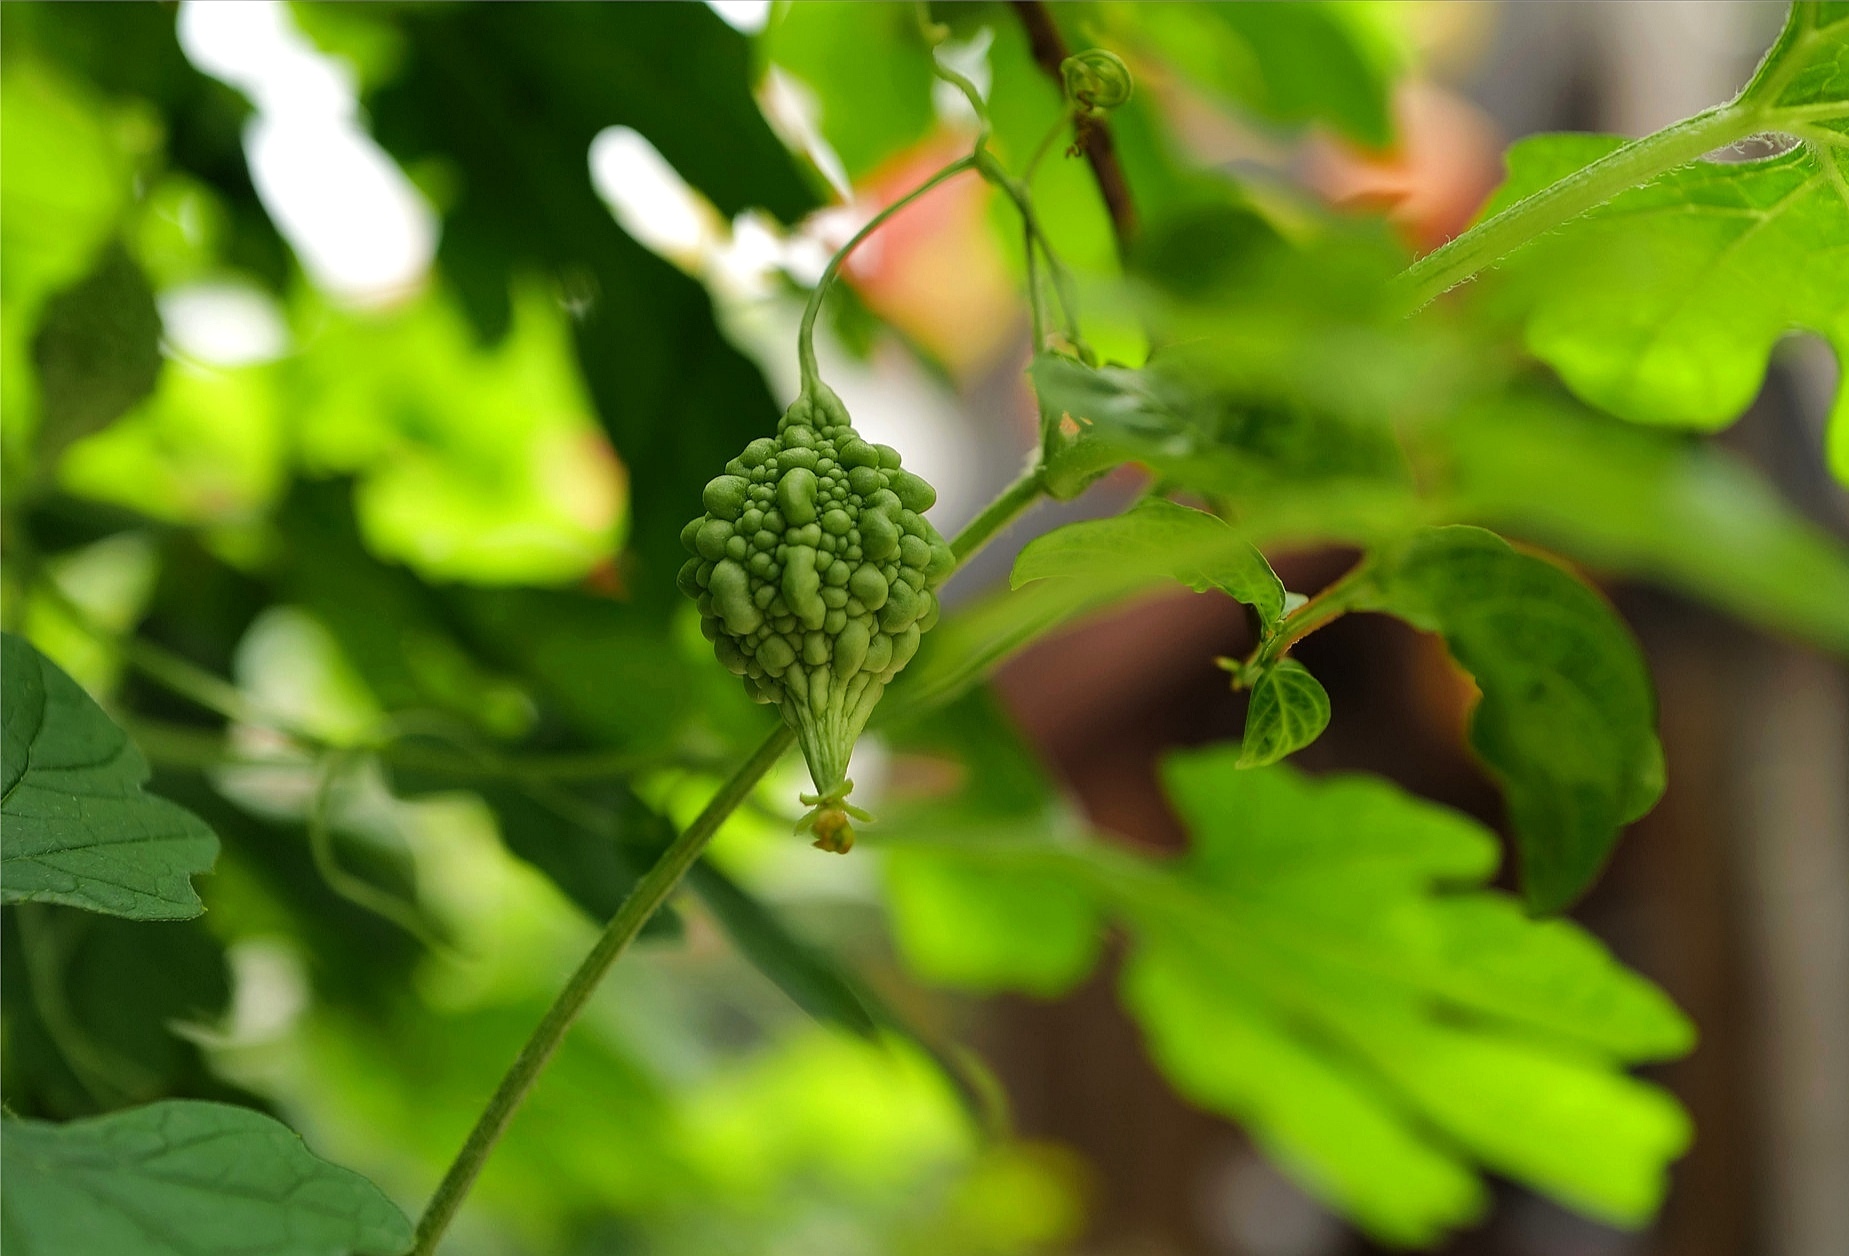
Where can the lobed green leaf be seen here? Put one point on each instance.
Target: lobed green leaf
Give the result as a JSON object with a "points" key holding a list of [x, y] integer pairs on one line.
{"points": [[1323, 966]]}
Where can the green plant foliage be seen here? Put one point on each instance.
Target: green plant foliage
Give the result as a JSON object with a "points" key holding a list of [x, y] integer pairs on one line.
{"points": [[97, 351], [79, 827], [812, 979], [813, 569], [1664, 304], [396, 627], [675, 398], [1285, 63], [1805, 75], [945, 912], [474, 463], [1154, 541], [92, 1005], [184, 1178], [1630, 500], [870, 72], [1317, 968], [1289, 710], [1567, 721], [1627, 500]]}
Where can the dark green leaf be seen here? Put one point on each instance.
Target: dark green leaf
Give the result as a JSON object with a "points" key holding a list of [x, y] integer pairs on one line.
{"points": [[1567, 721], [1289, 710], [805, 973], [79, 828], [185, 1178], [1630, 500], [97, 351], [1156, 540], [92, 1005], [512, 100]]}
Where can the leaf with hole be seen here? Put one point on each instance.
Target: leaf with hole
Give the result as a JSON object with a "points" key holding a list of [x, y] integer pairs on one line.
{"points": [[1664, 303]]}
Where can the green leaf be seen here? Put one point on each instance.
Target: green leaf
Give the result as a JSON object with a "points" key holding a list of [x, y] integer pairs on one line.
{"points": [[1683, 513], [1155, 540], [1663, 305], [1286, 63], [980, 923], [1805, 75], [97, 351], [869, 70], [79, 828], [804, 972], [965, 644], [120, 994], [511, 102], [185, 1178], [1324, 966], [1567, 721], [1289, 710], [1293, 470], [967, 923]]}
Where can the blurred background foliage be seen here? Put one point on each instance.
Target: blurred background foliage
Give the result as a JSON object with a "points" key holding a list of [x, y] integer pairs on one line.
{"points": [[369, 359]]}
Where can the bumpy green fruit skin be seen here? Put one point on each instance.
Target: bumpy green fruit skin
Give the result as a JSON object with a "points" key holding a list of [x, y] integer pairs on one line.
{"points": [[814, 570]]}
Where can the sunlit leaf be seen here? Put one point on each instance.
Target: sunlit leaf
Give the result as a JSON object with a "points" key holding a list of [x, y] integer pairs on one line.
{"points": [[869, 70], [474, 463], [1805, 75], [1567, 720], [1664, 304], [972, 924], [1321, 967], [79, 828], [1285, 63], [676, 399], [185, 1178], [1289, 710]]}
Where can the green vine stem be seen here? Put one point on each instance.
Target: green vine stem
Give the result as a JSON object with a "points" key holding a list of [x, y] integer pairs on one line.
{"points": [[643, 901], [998, 514], [646, 898], [1637, 162], [805, 336], [1329, 605]]}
